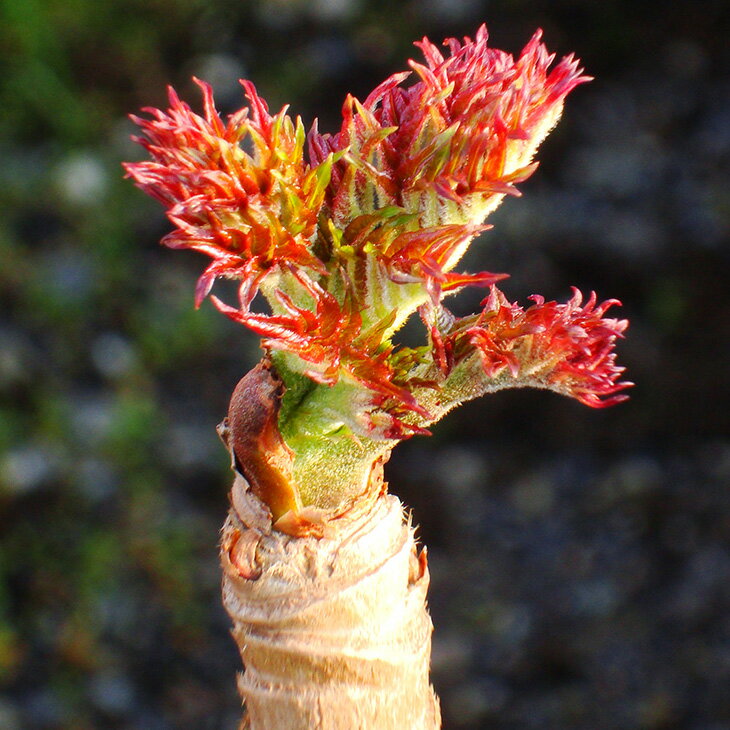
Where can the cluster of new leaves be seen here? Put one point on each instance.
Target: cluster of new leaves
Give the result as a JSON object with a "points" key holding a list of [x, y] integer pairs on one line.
{"points": [[465, 132], [249, 213], [346, 243], [567, 348]]}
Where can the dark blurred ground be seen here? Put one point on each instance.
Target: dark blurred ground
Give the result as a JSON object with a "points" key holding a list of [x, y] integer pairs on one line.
{"points": [[580, 558]]}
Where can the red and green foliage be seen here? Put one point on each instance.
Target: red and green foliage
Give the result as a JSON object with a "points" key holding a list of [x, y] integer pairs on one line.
{"points": [[347, 235]]}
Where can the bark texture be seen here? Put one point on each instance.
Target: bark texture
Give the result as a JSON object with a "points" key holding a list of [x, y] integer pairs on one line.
{"points": [[333, 630]]}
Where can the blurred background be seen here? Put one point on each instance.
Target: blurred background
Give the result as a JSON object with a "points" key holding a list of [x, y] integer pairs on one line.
{"points": [[580, 558]]}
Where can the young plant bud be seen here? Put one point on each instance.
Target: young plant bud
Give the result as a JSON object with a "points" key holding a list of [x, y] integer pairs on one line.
{"points": [[346, 236]]}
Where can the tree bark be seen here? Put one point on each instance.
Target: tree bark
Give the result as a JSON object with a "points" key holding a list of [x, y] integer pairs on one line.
{"points": [[333, 630]]}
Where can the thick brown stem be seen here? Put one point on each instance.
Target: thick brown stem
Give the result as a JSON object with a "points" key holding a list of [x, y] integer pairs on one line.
{"points": [[333, 630]]}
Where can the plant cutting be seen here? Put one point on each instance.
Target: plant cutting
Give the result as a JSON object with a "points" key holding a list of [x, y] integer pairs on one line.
{"points": [[335, 241]]}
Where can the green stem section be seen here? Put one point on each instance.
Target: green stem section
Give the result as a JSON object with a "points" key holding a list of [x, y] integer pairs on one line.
{"points": [[331, 464], [297, 443]]}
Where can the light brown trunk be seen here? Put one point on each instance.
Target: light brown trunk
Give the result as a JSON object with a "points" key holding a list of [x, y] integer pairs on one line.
{"points": [[333, 631]]}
